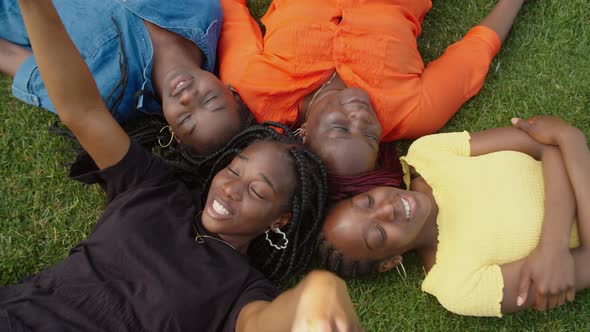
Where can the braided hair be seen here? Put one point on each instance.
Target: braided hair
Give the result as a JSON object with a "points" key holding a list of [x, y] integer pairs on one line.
{"points": [[333, 260], [307, 203]]}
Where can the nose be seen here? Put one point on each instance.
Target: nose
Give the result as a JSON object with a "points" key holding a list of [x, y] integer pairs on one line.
{"points": [[385, 211], [360, 117], [233, 190], [186, 98]]}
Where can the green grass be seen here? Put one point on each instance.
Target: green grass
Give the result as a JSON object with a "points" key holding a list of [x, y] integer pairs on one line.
{"points": [[544, 67]]}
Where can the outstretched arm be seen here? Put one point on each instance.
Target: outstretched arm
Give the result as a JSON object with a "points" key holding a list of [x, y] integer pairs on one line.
{"points": [[457, 75], [320, 302], [70, 85], [502, 17]]}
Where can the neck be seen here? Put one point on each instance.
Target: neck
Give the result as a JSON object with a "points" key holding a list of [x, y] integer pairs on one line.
{"points": [[241, 243], [171, 51]]}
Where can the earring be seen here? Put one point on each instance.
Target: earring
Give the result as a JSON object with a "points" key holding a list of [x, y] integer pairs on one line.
{"points": [[299, 132], [285, 240], [405, 275], [171, 137], [231, 88]]}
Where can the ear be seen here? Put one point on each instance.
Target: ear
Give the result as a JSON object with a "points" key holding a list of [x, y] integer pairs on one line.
{"points": [[303, 134], [389, 263], [234, 93], [281, 221]]}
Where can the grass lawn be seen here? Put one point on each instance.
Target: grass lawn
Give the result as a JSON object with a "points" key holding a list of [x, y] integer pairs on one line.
{"points": [[544, 67]]}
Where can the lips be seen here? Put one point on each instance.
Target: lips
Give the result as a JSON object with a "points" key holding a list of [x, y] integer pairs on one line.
{"points": [[409, 205], [179, 83], [219, 209]]}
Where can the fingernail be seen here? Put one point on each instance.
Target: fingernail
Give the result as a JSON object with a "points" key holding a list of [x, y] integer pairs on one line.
{"points": [[519, 301], [514, 121]]}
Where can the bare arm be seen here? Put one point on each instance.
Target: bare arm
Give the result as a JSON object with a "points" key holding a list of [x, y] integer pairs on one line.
{"points": [[549, 268], [70, 85], [12, 57], [502, 17], [320, 302], [576, 157]]}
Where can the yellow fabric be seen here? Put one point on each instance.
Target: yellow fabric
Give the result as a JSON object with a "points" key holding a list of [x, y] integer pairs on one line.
{"points": [[490, 213]]}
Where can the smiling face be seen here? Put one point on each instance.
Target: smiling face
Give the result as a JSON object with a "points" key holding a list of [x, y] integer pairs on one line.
{"points": [[252, 193], [202, 112], [379, 224], [343, 129]]}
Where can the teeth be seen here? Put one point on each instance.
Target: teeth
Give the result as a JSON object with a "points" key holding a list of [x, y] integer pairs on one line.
{"points": [[218, 208], [406, 208], [181, 84]]}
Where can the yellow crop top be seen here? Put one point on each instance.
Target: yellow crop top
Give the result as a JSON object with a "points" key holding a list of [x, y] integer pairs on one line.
{"points": [[490, 213]]}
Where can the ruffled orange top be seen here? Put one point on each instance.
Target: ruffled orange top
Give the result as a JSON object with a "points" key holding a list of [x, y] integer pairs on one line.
{"points": [[372, 46]]}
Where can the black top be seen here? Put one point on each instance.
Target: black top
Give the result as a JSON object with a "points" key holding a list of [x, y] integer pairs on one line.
{"points": [[140, 268]]}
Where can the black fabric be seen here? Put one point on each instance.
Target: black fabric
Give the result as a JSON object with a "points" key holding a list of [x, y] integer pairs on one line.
{"points": [[140, 268]]}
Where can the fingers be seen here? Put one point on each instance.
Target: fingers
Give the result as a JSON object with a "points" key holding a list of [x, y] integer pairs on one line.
{"points": [[540, 301], [571, 294], [523, 289]]}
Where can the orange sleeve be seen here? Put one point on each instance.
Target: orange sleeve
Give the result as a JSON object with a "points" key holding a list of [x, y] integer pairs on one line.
{"points": [[451, 80], [240, 40]]}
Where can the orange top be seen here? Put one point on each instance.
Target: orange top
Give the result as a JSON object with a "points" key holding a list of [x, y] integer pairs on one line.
{"points": [[372, 46]]}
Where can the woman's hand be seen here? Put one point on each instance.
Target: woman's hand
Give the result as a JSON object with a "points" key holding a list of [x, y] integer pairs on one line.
{"points": [[325, 305], [552, 274], [545, 129]]}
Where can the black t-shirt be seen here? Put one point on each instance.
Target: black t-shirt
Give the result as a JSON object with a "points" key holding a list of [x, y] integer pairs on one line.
{"points": [[140, 268]]}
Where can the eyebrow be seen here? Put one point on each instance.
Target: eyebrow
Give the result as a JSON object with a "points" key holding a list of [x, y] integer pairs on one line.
{"points": [[242, 157]]}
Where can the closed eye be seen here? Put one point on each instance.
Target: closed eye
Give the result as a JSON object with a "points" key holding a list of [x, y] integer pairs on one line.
{"points": [[373, 138], [382, 233], [184, 120], [256, 193], [232, 171], [210, 99], [340, 129], [370, 201]]}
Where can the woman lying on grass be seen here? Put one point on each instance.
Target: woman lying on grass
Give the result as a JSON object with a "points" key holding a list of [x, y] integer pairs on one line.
{"points": [[165, 51], [158, 259], [492, 214], [349, 73]]}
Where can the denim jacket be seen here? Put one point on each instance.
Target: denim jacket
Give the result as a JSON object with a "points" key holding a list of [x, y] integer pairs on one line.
{"points": [[113, 40]]}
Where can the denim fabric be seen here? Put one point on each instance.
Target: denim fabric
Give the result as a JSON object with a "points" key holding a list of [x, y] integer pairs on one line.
{"points": [[104, 31]]}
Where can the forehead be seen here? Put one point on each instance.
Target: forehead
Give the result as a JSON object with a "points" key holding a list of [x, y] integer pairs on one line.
{"points": [[345, 228], [346, 157], [272, 160]]}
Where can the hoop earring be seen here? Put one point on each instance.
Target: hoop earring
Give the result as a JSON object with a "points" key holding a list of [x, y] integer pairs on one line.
{"points": [[231, 88], [405, 275], [299, 132], [285, 240], [171, 137]]}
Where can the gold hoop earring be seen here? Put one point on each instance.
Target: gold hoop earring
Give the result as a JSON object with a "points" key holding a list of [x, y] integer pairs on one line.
{"points": [[299, 132], [171, 137], [405, 275]]}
